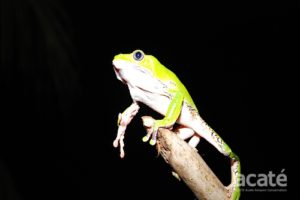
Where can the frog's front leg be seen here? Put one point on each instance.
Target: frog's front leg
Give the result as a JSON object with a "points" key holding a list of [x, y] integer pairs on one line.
{"points": [[173, 112], [123, 120]]}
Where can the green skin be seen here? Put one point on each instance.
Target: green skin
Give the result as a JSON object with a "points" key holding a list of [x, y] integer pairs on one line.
{"points": [[154, 85]]}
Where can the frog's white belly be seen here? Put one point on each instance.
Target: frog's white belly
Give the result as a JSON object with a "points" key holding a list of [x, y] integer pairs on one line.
{"points": [[160, 104]]}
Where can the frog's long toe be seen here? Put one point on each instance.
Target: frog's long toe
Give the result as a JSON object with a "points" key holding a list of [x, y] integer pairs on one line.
{"points": [[152, 142], [145, 138], [153, 138]]}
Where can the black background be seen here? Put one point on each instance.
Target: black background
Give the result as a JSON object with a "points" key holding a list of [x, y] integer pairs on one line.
{"points": [[234, 61]]}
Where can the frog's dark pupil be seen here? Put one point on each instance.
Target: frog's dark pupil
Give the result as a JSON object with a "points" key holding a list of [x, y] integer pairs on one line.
{"points": [[138, 55]]}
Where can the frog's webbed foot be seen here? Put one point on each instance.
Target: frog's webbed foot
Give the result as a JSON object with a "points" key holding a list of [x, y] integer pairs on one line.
{"points": [[123, 120], [149, 124], [151, 127]]}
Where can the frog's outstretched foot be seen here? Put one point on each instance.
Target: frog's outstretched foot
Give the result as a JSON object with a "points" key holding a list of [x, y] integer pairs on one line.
{"points": [[123, 120]]}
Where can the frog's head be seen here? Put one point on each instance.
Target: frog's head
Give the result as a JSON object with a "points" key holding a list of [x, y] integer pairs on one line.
{"points": [[134, 65]]}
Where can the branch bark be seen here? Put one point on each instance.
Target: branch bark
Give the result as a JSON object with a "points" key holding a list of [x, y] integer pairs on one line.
{"points": [[189, 165]]}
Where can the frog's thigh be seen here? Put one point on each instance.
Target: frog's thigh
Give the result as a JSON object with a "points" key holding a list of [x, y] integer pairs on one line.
{"points": [[184, 132]]}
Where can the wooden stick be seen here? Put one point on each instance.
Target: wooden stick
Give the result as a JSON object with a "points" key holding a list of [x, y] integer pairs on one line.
{"points": [[190, 166]]}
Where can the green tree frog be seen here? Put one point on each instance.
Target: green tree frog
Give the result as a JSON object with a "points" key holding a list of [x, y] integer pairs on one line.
{"points": [[154, 85]]}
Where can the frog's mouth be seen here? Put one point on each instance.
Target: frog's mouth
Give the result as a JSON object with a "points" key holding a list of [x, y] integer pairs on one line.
{"points": [[117, 72]]}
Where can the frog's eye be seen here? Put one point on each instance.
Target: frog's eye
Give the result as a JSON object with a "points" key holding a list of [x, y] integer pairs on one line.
{"points": [[138, 55]]}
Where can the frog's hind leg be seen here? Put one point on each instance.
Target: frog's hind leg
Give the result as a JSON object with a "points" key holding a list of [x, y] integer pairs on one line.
{"points": [[213, 138]]}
